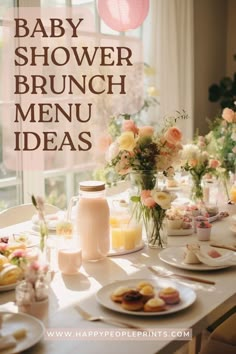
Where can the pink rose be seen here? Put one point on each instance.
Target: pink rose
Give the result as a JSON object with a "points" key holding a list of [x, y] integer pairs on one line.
{"points": [[234, 150], [173, 135], [35, 266], [146, 131], [129, 125], [214, 163], [18, 253], [229, 115], [147, 199], [149, 202]]}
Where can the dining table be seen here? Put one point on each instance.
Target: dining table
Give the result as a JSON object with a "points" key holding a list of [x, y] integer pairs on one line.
{"points": [[67, 291]]}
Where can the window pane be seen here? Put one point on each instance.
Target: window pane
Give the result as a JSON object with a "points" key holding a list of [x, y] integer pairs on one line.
{"points": [[8, 197], [82, 176], [107, 30], [5, 4], [134, 33], [89, 4], [55, 191], [45, 3]]}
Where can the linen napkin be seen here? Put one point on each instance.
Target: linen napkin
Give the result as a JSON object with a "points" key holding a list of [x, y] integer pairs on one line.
{"points": [[226, 259]]}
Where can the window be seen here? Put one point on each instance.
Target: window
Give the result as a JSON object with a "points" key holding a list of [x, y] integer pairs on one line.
{"points": [[57, 184]]}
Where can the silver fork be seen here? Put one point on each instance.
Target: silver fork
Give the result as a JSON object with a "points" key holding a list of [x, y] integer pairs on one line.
{"points": [[87, 316], [166, 274]]}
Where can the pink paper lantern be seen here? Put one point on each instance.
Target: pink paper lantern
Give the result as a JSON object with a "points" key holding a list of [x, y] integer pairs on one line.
{"points": [[123, 15]]}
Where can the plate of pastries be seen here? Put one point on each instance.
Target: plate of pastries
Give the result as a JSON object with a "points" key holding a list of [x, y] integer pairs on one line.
{"points": [[146, 297]]}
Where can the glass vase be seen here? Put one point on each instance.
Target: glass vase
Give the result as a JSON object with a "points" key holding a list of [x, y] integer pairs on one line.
{"points": [[156, 232], [143, 180], [197, 190]]}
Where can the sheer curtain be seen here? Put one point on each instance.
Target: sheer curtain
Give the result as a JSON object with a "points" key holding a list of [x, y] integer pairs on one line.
{"points": [[172, 56]]}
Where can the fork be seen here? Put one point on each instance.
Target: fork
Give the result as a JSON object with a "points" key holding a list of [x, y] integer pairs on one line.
{"points": [[87, 316], [167, 274]]}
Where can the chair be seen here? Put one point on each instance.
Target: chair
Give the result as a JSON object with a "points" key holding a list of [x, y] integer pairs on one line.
{"points": [[21, 213], [222, 339]]}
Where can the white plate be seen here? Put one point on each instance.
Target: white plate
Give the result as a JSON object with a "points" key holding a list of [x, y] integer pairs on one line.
{"points": [[14, 321], [52, 221], [180, 232], [120, 252], [7, 287], [187, 296], [175, 257]]}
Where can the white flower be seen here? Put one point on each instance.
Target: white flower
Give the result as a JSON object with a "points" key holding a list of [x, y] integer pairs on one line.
{"points": [[112, 151], [163, 199], [190, 152]]}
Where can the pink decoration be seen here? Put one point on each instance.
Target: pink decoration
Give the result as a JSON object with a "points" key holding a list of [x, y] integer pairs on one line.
{"points": [[123, 15]]}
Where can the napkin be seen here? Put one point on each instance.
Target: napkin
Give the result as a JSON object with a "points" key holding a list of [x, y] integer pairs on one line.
{"points": [[226, 259]]}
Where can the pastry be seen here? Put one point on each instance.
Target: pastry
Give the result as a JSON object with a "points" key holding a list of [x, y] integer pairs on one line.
{"points": [[10, 274], [214, 253], [169, 295], [155, 305], [3, 260], [132, 301], [147, 292], [189, 255], [117, 295], [143, 283]]}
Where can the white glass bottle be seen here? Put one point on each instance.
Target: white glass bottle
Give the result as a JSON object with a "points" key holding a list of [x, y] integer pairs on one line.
{"points": [[92, 220]]}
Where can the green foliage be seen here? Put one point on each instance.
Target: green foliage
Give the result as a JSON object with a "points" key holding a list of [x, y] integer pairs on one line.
{"points": [[224, 92]]}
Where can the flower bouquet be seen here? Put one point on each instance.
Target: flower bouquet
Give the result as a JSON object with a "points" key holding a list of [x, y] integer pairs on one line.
{"points": [[198, 163], [142, 153], [221, 141]]}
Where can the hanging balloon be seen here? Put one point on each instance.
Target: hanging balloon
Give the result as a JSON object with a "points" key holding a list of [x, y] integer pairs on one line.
{"points": [[123, 15]]}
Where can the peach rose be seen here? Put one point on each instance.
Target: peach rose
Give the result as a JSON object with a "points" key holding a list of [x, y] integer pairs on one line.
{"points": [[130, 126], [229, 115], [234, 150], [173, 135], [214, 163], [146, 131], [193, 162]]}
